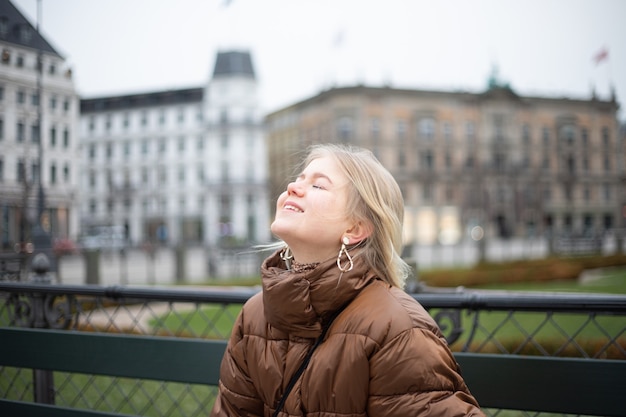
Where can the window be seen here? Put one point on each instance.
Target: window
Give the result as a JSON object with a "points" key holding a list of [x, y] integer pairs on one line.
{"points": [[426, 129], [181, 144], [401, 130], [181, 116], [144, 118], [526, 134], [447, 131], [145, 146], [470, 131], [6, 56], [20, 96], [162, 118], [427, 192], [20, 61], [109, 151], [428, 160], [200, 143], [606, 191], [66, 138], [66, 104], [126, 150], [144, 175], [20, 132], [200, 174], [53, 136], [344, 129], [584, 136], [34, 99], [162, 145], [1, 129], [126, 121], [92, 124], [53, 173], [34, 133], [606, 137], [66, 173], [545, 136], [34, 168], [568, 134], [53, 102], [375, 128], [498, 127], [92, 151], [21, 170]]}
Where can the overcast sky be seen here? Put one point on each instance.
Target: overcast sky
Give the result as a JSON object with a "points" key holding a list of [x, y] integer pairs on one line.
{"points": [[299, 47]]}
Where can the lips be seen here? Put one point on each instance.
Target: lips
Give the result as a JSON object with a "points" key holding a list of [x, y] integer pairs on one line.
{"points": [[292, 207]]}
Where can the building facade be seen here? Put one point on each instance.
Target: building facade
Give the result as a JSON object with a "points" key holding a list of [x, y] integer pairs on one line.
{"points": [[38, 141], [493, 162], [182, 166]]}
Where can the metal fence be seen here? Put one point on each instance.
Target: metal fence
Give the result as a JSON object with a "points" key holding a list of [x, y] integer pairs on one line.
{"points": [[580, 325]]}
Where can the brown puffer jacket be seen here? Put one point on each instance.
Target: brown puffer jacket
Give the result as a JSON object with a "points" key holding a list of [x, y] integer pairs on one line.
{"points": [[382, 356]]}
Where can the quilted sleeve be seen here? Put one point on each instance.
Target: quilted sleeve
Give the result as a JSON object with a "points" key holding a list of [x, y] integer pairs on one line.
{"points": [[415, 374], [237, 395]]}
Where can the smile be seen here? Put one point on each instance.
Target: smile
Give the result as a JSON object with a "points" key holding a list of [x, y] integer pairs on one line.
{"points": [[292, 208]]}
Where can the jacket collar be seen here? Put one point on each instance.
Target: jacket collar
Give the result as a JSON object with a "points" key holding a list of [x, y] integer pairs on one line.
{"points": [[299, 302]]}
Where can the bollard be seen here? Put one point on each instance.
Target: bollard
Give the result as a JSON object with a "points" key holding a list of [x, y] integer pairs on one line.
{"points": [[181, 272], [92, 266]]}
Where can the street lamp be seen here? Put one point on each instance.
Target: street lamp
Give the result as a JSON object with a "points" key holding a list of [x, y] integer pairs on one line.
{"points": [[41, 239]]}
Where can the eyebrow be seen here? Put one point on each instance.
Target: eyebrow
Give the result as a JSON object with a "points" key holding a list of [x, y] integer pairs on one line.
{"points": [[316, 175]]}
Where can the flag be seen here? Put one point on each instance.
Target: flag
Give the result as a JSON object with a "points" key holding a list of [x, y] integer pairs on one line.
{"points": [[601, 55], [338, 39]]}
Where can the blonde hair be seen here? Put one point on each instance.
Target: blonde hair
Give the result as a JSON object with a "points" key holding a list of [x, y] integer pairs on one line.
{"points": [[376, 200]]}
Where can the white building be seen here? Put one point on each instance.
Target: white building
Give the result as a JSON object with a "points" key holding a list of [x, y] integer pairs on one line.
{"points": [[38, 122], [184, 166]]}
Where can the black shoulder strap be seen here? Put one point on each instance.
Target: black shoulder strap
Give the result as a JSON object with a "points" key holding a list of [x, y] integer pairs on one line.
{"points": [[306, 361]]}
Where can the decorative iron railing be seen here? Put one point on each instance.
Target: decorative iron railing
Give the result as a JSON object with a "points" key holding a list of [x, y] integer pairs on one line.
{"points": [[550, 324]]}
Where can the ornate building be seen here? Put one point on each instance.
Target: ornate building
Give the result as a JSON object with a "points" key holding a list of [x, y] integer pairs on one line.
{"points": [[180, 166], [38, 141], [509, 164]]}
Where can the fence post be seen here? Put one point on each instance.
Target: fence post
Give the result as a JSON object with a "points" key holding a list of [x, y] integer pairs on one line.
{"points": [[181, 270], [92, 266], [43, 380]]}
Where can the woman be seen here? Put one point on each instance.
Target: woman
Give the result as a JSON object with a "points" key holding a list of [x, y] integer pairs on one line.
{"points": [[339, 273]]}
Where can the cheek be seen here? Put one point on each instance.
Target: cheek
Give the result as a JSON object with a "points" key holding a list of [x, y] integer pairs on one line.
{"points": [[330, 209], [281, 199]]}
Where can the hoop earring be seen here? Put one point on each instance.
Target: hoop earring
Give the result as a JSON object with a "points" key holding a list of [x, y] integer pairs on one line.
{"points": [[349, 264], [286, 256]]}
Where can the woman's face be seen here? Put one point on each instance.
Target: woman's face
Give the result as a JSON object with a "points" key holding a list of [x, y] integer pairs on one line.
{"points": [[311, 216]]}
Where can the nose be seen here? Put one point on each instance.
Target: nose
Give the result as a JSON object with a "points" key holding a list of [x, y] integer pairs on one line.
{"points": [[294, 189]]}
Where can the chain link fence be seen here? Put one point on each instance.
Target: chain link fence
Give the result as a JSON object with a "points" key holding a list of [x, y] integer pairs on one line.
{"points": [[578, 325]]}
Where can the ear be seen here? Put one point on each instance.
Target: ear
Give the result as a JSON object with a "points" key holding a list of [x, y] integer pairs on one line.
{"points": [[358, 232]]}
